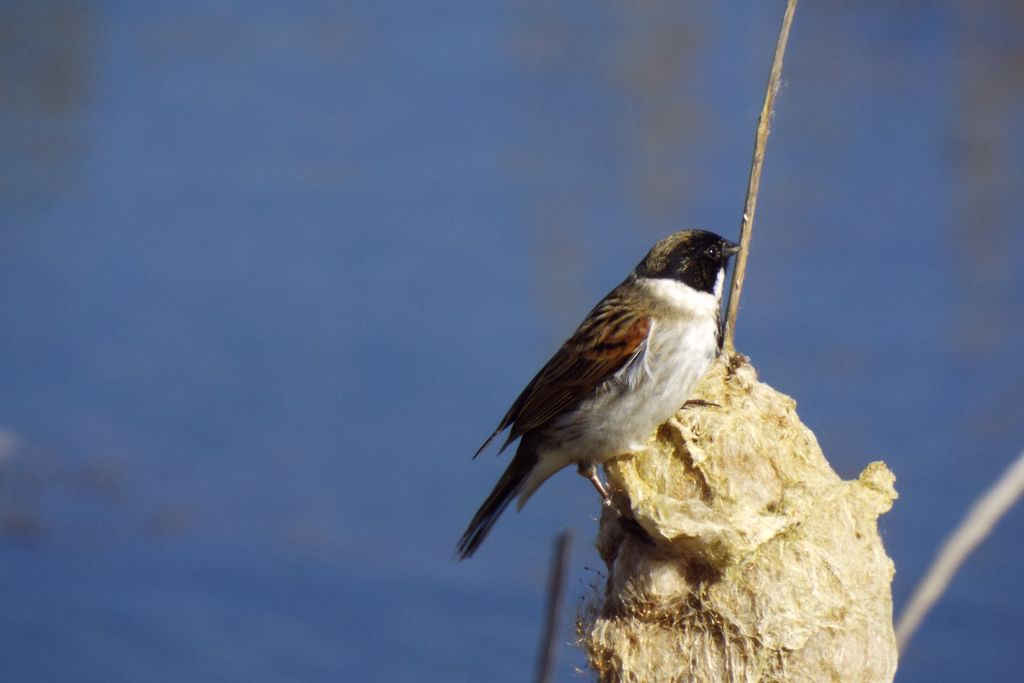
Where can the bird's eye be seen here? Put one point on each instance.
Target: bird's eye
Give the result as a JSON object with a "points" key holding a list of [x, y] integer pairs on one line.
{"points": [[713, 252]]}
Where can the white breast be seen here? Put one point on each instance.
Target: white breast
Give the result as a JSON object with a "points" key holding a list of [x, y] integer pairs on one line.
{"points": [[684, 299], [625, 410], [678, 354], [648, 391]]}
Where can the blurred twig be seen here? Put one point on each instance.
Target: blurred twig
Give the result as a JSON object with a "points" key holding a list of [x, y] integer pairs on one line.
{"points": [[760, 143], [979, 522], [549, 641]]}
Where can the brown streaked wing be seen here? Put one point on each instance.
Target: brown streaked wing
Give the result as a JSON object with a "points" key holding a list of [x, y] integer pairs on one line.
{"points": [[611, 335]]}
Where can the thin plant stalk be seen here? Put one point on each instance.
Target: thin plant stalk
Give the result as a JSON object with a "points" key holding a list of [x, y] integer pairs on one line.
{"points": [[556, 581], [975, 527], [760, 145]]}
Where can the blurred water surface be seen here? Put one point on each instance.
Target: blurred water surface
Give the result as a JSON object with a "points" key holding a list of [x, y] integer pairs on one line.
{"points": [[271, 272]]}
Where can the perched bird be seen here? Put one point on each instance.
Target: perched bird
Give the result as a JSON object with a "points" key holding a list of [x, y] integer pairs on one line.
{"points": [[630, 365]]}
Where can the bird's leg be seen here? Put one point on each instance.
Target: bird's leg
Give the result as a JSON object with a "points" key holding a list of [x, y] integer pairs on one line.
{"points": [[630, 525], [588, 471]]}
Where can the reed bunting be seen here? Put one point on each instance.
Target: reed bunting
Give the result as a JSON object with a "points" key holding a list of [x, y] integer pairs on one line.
{"points": [[630, 365]]}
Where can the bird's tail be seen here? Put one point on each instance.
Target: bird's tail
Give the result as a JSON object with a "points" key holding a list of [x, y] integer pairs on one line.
{"points": [[507, 488]]}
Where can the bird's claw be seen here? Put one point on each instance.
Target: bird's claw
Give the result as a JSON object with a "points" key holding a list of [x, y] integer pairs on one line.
{"points": [[699, 403]]}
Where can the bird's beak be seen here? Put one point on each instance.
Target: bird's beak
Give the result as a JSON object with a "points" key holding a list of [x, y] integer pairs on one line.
{"points": [[730, 249]]}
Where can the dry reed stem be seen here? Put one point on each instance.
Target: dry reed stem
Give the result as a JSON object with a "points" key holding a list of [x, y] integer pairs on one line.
{"points": [[760, 144], [975, 527], [556, 581]]}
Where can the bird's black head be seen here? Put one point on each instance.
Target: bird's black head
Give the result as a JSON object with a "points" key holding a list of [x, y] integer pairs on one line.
{"points": [[694, 257]]}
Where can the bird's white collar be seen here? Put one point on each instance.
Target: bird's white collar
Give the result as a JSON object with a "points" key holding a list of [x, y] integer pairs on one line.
{"points": [[683, 297]]}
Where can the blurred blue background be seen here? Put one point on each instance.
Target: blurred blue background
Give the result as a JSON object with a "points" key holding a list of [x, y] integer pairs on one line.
{"points": [[271, 272]]}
